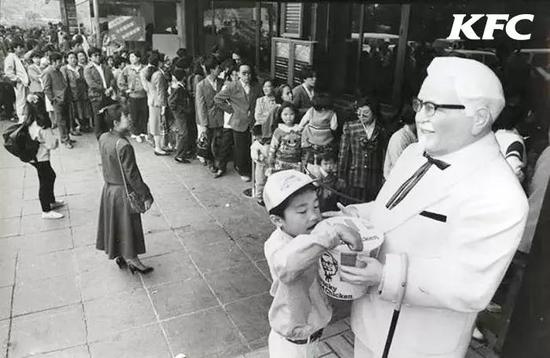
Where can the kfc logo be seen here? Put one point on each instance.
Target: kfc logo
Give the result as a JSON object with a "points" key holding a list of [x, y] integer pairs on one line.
{"points": [[494, 22]]}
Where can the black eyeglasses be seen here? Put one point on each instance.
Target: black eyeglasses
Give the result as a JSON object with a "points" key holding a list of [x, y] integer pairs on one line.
{"points": [[430, 107]]}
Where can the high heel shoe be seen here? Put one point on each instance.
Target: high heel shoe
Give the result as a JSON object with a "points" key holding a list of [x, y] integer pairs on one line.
{"points": [[120, 262], [133, 269]]}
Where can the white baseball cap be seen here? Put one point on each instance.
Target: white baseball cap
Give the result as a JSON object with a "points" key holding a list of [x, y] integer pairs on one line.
{"points": [[281, 185]]}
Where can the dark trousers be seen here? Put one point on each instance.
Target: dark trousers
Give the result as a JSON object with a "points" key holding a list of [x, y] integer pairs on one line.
{"points": [[99, 124], [62, 119], [183, 147], [241, 143], [215, 141], [225, 151], [46, 178], [139, 112]]}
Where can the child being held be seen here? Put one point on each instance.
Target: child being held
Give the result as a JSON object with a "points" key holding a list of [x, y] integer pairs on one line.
{"points": [[285, 151], [300, 310], [318, 125], [328, 180]]}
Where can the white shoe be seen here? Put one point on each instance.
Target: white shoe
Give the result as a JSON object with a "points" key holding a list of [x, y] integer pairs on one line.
{"points": [[133, 136], [477, 335], [57, 204], [139, 139], [52, 215]]}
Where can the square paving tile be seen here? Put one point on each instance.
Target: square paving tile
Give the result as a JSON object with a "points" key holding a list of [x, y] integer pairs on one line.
{"points": [[5, 302], [10, 226], [237, 282], [250, 315], [196, 217], [107, 279], [218, 256], [47, 331], [109, 315], [264, 268], [4, 332], [34, 223], [37, 267], [253, 246], [85, 235], [204, 333], [33, 296], [152, 223], [80, 217], [197, 239], [175, 266], [7, 270], [89, 258], [182, 297], [47, 241], [74, 352], [162, 242], [144, 342]]}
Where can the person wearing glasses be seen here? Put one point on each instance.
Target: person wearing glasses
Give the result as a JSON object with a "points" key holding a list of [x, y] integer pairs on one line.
{"points": [[239, 99], [452, 213]]}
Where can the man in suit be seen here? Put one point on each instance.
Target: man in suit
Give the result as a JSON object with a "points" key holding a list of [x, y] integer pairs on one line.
{"points": [[303, 94], [210, 116], [101, 84], [57, 90], [15, 72], [453, 214], [239, 99]]}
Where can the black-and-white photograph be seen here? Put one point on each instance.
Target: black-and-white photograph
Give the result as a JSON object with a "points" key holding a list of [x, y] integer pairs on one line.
{"points": [[269, 179]]}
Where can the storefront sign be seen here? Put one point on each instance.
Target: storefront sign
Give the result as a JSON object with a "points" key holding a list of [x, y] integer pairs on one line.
{"points": [[127, 28]]}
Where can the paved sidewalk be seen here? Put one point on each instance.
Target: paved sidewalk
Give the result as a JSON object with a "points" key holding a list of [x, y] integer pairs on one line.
{"points": [[208, 295]]}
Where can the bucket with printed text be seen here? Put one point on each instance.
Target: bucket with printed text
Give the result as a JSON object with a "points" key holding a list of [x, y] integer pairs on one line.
{"points": [[332, 260]]}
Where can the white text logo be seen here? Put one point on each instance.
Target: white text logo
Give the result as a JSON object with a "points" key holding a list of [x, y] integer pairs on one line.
{"points": [[494, 22]]}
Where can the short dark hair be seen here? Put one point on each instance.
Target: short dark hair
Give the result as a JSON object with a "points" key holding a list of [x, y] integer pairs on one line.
{"points": [[179, 73], [211, 63], [308, 72], [329, 155], [36, 53], [279, 92], [181, 52], [93, 51], [407, 114], [321, 101], [70, 53], [280, 209], [371, 103], [54, 56], [136, 53]]}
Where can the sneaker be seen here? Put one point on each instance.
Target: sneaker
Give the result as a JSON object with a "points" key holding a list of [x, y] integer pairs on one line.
{"points": [[248, 193], [160, 152], [494, 308], [245, 178], [181, 160], [219, 173], [57, 204], [139, 139], [52, 215], [477, 335], [133, 136]]}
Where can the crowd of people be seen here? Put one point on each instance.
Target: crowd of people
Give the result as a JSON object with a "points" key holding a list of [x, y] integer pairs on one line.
{"points": [[213, 108]]}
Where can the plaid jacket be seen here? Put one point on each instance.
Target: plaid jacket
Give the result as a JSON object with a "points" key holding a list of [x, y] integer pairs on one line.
{"points": [[360, 160]]}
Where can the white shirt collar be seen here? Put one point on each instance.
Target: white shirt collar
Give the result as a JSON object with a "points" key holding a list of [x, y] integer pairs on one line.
{"points": [[309, 93]]}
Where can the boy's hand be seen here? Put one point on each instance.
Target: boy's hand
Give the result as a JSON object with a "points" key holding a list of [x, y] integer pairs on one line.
{"points": [[340, 232]]}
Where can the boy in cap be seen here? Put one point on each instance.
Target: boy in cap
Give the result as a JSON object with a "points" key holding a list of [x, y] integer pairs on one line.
{"points": [[300, 310]]}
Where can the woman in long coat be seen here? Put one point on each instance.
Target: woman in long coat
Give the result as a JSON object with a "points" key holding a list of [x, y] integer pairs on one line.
{"points": [[119, 232]]}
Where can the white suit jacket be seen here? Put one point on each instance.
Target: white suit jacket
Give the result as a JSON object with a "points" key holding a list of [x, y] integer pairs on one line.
{"points": [[459, 229]]}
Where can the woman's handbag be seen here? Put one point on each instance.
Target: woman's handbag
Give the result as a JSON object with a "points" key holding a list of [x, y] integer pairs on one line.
{"points": [[137, 201]]}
